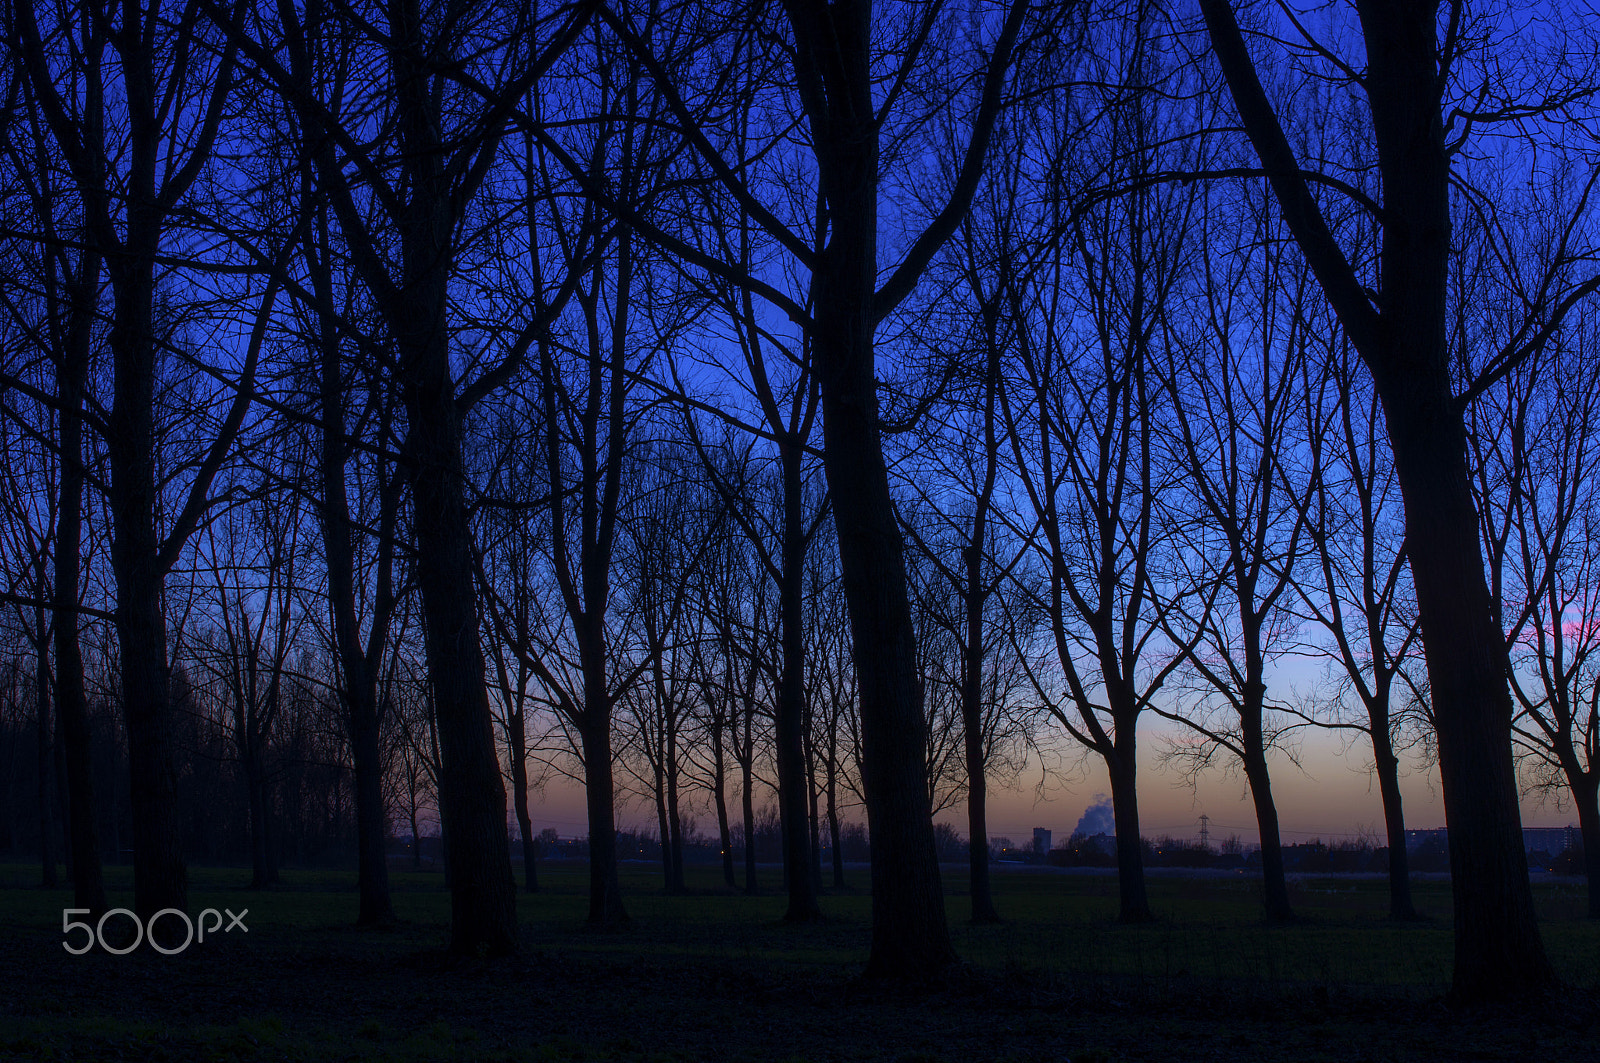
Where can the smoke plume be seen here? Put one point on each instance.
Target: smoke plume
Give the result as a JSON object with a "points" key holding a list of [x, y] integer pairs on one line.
{"points": [[1097, 818]]}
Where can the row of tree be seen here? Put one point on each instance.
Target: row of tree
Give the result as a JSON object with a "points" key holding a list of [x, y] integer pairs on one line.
{"points": [[560, 387]]}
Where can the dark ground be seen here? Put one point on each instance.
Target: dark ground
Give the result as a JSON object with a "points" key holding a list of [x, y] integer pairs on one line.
{"points": [[713, 976]]}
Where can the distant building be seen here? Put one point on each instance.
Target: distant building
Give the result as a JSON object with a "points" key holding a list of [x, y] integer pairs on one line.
{"points": [[1552, 840], [1534, 839], [1041, 840], [1417, 839]]}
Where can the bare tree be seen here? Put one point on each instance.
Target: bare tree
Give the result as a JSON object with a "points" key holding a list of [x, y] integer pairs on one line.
{"points": [[735, 620], [972, 423], [252, 555], [1236, 392], [29, 499], [353, 421], [1093, 319], [1537, 472], [445, 80], [673, 511], [133, 163], [585, 384], [509, 581], [745, 634], [829, 56], [1358, 589], [53, 307], [1395, 312], [784, 391], [832, 699]]}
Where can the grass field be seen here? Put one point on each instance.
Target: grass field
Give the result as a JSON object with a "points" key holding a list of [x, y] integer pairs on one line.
{"points": [[714, 975]]}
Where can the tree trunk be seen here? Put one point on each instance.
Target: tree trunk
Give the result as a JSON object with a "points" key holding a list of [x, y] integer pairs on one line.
{"points": [[1498, 949], [719, 793], [72, 710], [472, 798], [835, 834], [1387, 765], [983, 910], [1586, 795], [262, 871], [665, 767], [977, 820], [519, 799], [674, 839], [444, 849], [978, 845], [362, 719], [814, 818], [665, 830], [974, 598], [747, 780], [1122, 766], [910, 938], [160, 877], [530, 849], [46, 754], [792, 784], [372, 867], [605, 893], [1274, 887], [62, 800]]}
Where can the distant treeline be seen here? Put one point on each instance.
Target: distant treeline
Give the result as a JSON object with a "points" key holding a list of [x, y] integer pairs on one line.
{"points": [[1430, 856]]}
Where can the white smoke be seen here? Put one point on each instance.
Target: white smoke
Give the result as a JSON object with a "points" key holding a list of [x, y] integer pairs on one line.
{"points": [[1097, 818]]}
